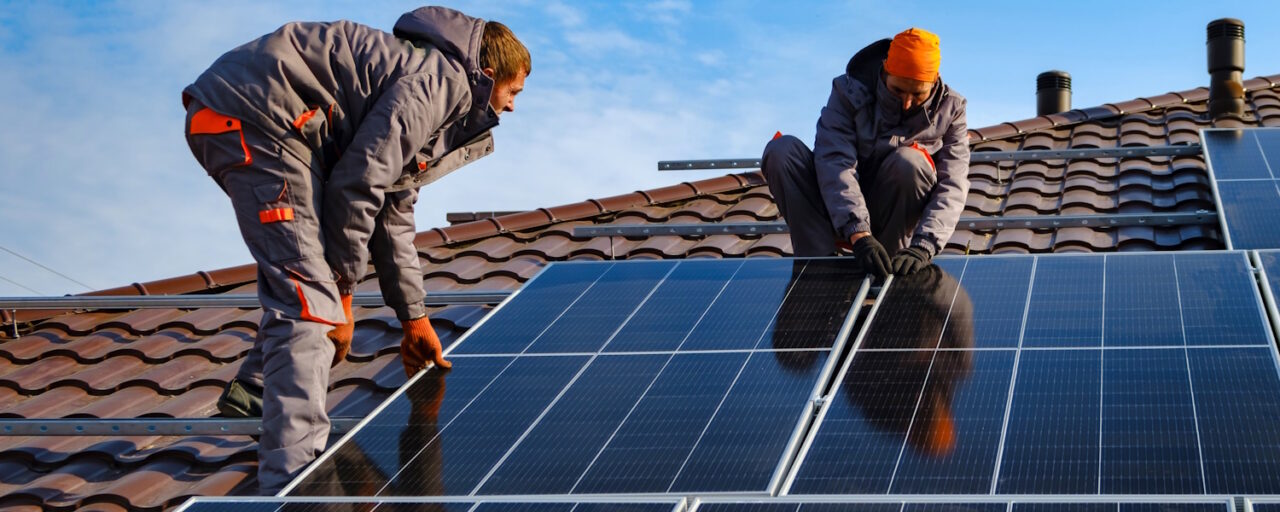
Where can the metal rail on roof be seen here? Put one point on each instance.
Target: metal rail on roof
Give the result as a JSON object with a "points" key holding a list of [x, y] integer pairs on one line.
{"points": [[977, 156], [225, 301], [966, 223], [148, 426]]}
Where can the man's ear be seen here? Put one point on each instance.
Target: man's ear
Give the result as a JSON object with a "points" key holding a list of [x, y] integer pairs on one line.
{"points": [[489, 72]]}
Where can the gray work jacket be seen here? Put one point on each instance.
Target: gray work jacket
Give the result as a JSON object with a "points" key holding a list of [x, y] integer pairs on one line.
{"points": [[381, 114], [860, 125]]}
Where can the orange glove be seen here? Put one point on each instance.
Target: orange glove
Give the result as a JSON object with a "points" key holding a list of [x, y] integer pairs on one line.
{"points": [[420, 342], [341, 335]]}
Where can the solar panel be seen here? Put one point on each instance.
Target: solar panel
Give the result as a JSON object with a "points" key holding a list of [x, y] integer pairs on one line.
{"points": [[1245, 166], [615, 377], [267, 504], [1117, 374], [1026, 504]]}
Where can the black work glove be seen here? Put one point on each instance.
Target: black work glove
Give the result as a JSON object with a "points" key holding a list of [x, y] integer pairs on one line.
{"points": [[872, 256], [910, 260]]}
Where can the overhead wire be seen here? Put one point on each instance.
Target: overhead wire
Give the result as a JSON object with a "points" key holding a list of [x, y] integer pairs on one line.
{"points": [[36, 263], [20, 285]]}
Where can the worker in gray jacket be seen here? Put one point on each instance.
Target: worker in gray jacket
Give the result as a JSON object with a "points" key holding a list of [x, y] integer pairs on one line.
{"points": [[321, 135], [888, 174]]}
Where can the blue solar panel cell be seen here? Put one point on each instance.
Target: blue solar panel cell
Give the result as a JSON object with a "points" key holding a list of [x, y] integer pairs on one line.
{"points": [[816, 308], [622, 507], [648, 450], [556, 452], [955, 433], [1269, 142], [996, 292], [1271, 266], [741, 448], [1174, 507], [916, 309], [1141, 301], [955, 507], [511, 329], [745, 307], [677, 305], [1251, 209], [591, 321], [1066, 507], [395, 438], [1149, 440], [862, 434], [1219, 300], [1235, 155], [1066, 306], [1237, 393], [1052, 442]]}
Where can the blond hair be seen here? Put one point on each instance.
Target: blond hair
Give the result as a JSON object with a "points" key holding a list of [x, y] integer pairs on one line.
{"points": [[502, 52]]}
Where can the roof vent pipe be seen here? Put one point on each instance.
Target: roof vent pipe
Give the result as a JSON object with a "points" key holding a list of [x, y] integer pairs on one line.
{"points": [[1226, 65], [1053, 92]]}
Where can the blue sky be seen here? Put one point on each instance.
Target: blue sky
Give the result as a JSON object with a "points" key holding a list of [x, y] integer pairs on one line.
{"points": [[96, 180]]}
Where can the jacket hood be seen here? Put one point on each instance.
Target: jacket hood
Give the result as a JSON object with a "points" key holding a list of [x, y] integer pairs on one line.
{"points": [[865, 65], [452, 32], [457, 36]]}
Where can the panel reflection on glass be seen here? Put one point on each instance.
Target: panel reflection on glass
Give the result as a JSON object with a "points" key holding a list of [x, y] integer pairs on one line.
{"points": [[1220, 304], [915, 310], [1251, 209], [1235, 155]]}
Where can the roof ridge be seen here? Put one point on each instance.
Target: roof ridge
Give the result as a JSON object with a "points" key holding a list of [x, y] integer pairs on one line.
{"points": [[1075, 116], [541, 217]]}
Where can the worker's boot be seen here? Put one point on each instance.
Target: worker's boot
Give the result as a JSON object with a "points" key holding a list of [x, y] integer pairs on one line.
{"points": [[240, 400]]}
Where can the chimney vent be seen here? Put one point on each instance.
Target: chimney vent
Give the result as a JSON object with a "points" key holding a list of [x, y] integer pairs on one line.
{"points": [[1053, 92], [1226, 65]]}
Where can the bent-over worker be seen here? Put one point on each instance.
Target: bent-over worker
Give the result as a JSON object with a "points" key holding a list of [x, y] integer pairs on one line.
{"points": [[321, 134]]}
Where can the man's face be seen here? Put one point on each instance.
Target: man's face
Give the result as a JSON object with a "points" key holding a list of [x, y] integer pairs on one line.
{"points": [[503, 97], [912, 93]]}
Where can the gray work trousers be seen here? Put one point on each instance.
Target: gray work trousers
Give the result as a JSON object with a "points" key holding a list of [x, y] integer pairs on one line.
{"points": [[896, 195], [274, 201]]}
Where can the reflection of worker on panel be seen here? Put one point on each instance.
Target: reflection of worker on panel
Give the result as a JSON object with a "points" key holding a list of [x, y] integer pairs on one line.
{"points": [[418, 469], [929, 318]]}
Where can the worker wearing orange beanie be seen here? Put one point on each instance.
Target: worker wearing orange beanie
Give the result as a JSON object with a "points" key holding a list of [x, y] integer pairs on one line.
{"points": [[888, 174]]}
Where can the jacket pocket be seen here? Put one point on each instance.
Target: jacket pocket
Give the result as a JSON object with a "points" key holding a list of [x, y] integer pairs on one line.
{"points": [[315, 127], [217, 141]]}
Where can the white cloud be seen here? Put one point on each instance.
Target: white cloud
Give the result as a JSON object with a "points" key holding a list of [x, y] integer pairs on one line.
{"points": [[567, 16]]}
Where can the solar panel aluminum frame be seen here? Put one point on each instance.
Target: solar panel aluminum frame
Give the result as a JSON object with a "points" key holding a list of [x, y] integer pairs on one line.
{"points": [[1248, 502], [808, 420], [1007, 499], [678, 504], [1268, 295], [795, 463], [329, 451]]}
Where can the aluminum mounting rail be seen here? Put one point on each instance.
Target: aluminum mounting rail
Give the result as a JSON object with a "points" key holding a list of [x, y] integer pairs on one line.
{"points": [[224, 301], [148, 426], [965, 223], [977, 156]]}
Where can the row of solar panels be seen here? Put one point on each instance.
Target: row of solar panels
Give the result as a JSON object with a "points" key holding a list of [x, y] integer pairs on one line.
{"points": [[1059, 374], [831, 504]]}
